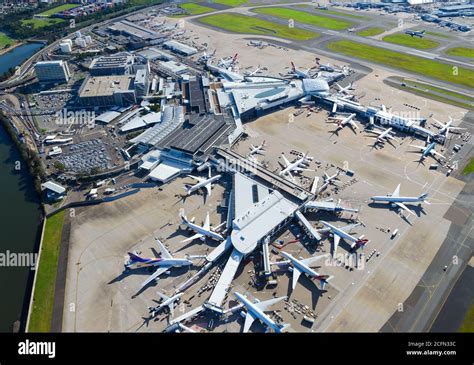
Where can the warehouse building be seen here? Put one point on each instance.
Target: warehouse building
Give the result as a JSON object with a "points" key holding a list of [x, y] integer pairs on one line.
{"points": [[180, 48], [52, 71], [105, 91]]}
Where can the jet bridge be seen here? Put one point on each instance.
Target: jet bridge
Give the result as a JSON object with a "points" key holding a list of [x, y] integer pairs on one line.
{"points": [[307, 226]]}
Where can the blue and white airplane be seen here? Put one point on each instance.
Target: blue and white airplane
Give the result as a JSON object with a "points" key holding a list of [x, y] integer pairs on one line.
{"points": [[341, 232], [164, 263], [304, 266], [257, 311], [428, 151], [397, 201]]}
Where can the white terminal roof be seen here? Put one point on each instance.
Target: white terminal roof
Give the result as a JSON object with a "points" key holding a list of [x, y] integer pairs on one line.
{"points": [[174, 66], [107, 117], [165, 171], [257, 222], [263, 92], [181, 47], [244, 193], [141, 122]]}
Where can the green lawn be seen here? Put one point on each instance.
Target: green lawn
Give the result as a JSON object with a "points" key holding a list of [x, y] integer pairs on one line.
{"points": [[37, 23], [468, 323], [195, 9], [419, 65], [43, 296], [461, 52], [59, 8], [409, 41], [332, 12], [245, 24], [232, 3], [439, 90], [5, 41], [369, 32], [439, 35], [305, 17], [469, 169]]}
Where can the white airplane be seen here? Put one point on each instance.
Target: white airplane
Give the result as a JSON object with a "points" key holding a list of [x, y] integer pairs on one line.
{"points": [[329, 180], [341, 232], [253, 72], [201, 231], [342, 121], [300, 73], [202, 183], [294, 167], [397, 201], [206, 57], [228, 62], [428, 151], [304, 266], [225, 73], [257, 311], [383, 136], [166, 302], [446, 128], [260, 149], [164, 263], [345, 90]]}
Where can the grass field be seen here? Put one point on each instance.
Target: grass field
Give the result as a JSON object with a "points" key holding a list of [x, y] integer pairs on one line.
{"points": [[5, 41], [439, 35], [36, 23], [43, 296], [244, 24], [369, 32], [412, 42], [305, 17], [195, 9], [419, 65], [469, 169], [57, 9], [468, 323], [232, 3], [461, 52], [332, 12]]}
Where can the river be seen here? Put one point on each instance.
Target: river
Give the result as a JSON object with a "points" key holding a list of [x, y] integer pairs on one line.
{"points": [[20, 216]]}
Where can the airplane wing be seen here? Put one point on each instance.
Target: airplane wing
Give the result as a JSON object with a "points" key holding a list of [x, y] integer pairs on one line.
{"points": [[437, 154], [336, 244], [199, 179], [209, 189], [263, 306], [397, 191], [155, 275], [403, 206], [286, 160], [207, 222], [164, 252], [441, 125], [349, 227], [309, 261], [192, 238], [249, 318], [171, 307], [334, 108], [354, 124], [415, 146], [296, 276], [162, 296], [290, 175]]}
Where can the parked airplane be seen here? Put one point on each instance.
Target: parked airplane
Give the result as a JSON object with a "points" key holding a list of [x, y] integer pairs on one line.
{"points": [[445, 129], [328, 180], [341, 232], [202, 183], [345, 89], [304, 267], [260, 149], [342, 121], [253, 72], [166, 302], [428, 150], [228, 61], [164, 263], [206, 57], [300, 73], [295, 166], [201, 231], [326, 67], [415, 33], [257, 311], [383, 136], [398, 201]]}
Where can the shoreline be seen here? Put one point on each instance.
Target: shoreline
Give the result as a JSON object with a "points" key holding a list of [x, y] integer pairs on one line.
{"points": [[11, 48]]}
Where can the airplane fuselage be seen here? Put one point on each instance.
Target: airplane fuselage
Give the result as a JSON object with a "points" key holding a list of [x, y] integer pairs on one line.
{"points": [[203, 184], [299, 265], [395, 199], [258, 313], [340, 232], [158, 262], [205, 232]]}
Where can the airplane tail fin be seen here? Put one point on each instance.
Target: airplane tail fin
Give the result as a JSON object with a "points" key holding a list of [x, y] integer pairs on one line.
{"points": [[323, 280], [293, 68], [361, 242], [135, 257], [183, 218]]}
